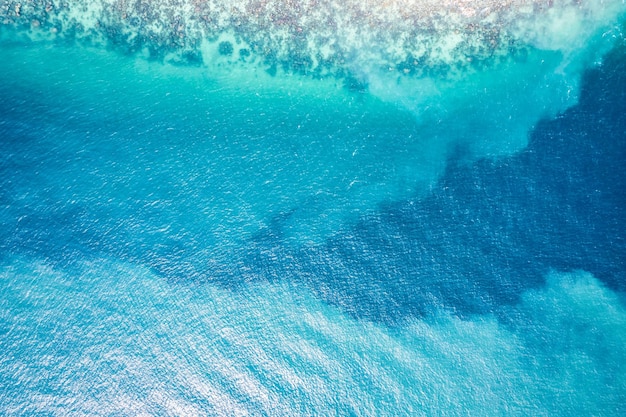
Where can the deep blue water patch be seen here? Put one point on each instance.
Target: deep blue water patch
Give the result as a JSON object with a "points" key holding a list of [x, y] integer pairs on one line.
{"points": [[489, 230]]}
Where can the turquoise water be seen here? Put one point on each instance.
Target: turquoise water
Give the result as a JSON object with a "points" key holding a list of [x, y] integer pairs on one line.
{"points": [[288, 211]]}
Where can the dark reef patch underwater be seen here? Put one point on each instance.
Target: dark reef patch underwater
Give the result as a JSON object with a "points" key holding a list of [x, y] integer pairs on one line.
{"points": [[312, 208]]}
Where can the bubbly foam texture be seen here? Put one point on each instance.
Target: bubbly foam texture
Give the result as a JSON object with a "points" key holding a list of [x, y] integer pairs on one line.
{"points": [[321, 36], [98, 342]]}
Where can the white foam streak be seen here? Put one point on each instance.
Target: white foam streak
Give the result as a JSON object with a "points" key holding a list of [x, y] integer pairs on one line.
{"points": [[352, 34]]}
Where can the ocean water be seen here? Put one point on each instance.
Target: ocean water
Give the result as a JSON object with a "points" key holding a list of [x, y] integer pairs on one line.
{"points": [[324, 208]]}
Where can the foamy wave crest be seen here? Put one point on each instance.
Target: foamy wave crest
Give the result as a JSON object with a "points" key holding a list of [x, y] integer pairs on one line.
{"points": [[322, 36]]}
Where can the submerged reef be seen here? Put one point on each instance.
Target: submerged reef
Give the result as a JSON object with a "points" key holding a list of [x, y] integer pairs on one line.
{"points": [[318, 37]]}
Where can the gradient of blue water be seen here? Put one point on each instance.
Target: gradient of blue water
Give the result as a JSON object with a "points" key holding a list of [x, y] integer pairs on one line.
{"points": [[155, 258]]}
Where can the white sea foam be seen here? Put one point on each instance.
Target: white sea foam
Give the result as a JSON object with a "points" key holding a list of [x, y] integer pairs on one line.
{"points": [[351, 35]]}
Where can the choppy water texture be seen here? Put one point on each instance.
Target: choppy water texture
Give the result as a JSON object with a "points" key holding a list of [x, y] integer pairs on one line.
{"points": [[270, 208]]}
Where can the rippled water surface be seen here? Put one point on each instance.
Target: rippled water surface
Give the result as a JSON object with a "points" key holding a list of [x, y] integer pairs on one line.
{"points": [[269, 208]]}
